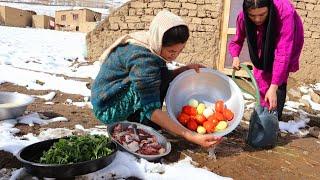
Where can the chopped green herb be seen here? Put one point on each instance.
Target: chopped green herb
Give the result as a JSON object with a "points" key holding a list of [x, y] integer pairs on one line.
{"points": [[76, 149]]}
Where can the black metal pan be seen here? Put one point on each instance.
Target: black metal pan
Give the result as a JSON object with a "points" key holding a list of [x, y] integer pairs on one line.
{"points": [[30, 155]]}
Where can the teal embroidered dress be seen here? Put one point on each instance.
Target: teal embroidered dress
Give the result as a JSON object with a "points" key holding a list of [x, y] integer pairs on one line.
{"points": [[128, 81]]}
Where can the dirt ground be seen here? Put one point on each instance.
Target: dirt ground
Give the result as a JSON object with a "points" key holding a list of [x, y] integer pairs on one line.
{"points": [[292, 158]]}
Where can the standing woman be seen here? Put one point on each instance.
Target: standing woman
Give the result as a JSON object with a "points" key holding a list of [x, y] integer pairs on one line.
{"points": [[275, 37], [133, 78]]}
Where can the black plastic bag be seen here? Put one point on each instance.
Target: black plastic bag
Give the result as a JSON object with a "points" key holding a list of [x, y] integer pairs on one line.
{"points": [[264, 124], [263, 128]]}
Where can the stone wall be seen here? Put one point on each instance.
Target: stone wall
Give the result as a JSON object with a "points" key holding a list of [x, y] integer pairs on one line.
{"points": [[202, 16], [309, 10]]}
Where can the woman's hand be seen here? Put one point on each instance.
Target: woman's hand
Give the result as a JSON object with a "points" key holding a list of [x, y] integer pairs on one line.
{"points": [[162, 119], [236, 63], [204, 140], [196, 67], [271, 97]]}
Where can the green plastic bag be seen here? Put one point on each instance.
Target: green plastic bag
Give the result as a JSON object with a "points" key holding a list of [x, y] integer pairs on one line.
{"points": [[264, 124]]}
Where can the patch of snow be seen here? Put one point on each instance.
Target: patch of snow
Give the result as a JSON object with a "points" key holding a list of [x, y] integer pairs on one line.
{"points": [[47, 97], [304, 89], [294, 126], [314, 105], [34, 118], [124, 164]]}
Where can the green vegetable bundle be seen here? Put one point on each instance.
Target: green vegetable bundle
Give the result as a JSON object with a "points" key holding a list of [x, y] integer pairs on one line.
{"points": [[76, 149]]}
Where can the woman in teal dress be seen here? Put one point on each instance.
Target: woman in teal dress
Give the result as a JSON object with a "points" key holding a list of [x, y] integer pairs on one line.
{"points": [[133, 78]]}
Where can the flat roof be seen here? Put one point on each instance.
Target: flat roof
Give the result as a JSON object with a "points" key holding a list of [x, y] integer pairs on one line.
{"points": [[77, 10]]}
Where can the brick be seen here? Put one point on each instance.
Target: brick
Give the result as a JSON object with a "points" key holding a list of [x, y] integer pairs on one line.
{"points": [[307, 20], [149, 11], [196, 20], [301, 5], [315, 14], [315, 35], [140, 12], [132, 19], [123, 26], [200, 1], [146, 18], [209, 28], [210, 7], [174, 5], [316, 21], [310, 1], [192, 27], [309, 7], [140, 26], [155, 11], [175, 11], [213, 14], [132, 12], [317, 7], [314, 28], [114, 26], [184, 12], [187, 19], [209, 21], [307, 34], [209, 1], [136, 4], [155, 5], [192, 13], [131, 26], [201, 14], [114, 19], [201, 28], [189, 6]]}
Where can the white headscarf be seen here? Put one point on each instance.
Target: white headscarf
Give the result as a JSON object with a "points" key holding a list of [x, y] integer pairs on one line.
{"points": [[151, 39]]}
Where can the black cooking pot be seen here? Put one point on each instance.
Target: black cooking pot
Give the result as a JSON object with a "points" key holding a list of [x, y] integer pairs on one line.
{"points": [[30, 156]]}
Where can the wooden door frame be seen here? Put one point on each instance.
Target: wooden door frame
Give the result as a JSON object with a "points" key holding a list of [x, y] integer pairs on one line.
{"points": [[224, 39]]}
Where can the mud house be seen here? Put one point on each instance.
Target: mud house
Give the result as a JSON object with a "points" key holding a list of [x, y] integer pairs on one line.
{"points": [[211, 24], [43, 21], [83, 20], [15, 17]]}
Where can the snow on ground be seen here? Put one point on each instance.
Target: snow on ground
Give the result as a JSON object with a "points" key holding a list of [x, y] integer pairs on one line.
{"points": [[47, 53], [50, 10], [44, 50], [124, 165]]}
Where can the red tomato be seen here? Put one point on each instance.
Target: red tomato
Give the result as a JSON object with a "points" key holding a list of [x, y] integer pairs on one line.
{"points": [[192, 125], [209, 126], [183, 118], [191, 111], [213, 119], [219, 106], [200, 119], [228, 114], [219, 116]]}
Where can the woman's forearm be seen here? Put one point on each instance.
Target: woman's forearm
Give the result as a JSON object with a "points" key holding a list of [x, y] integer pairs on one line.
{"points": [[162, 119], [176, 72]]}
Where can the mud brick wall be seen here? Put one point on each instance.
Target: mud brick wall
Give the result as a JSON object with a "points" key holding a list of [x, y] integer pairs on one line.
{"points": [[309, 10], [202, 16]]}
